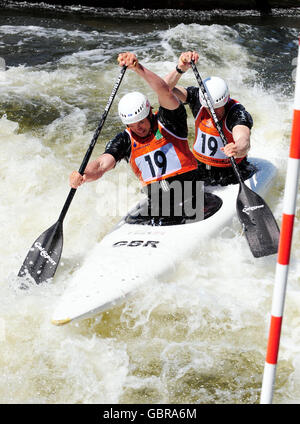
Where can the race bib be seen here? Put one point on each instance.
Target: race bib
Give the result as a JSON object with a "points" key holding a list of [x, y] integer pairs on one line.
{"points": [[209, 145], [158, 163]]}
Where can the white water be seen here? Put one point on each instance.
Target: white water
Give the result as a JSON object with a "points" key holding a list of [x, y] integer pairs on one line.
{"points": [[200, 336]]}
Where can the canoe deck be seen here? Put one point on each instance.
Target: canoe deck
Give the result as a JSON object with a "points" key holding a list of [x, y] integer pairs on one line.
{"points": [[145, 252]]}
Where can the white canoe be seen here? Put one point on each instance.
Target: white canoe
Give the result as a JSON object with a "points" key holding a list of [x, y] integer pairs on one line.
{"points": [[144, 252]]}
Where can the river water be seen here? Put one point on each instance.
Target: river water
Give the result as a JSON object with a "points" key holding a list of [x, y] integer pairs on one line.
{"points": [[201, 335]]}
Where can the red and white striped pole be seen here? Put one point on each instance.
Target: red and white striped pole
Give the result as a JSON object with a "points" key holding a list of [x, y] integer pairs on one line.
{"points": [[284, 249]]}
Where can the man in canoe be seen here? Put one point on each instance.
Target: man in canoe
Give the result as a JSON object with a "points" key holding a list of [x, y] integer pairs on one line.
{"points": [[213, 158], [154, 144]]}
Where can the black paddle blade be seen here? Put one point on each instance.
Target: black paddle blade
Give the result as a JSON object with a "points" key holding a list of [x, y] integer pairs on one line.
{"points": [[259, 224], [44, 255]]}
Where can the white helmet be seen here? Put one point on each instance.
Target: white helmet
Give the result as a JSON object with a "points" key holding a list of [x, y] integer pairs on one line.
{"points": [[218, 90], [133, 107]]}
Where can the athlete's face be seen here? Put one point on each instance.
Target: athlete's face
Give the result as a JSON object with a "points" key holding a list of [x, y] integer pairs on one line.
{"points": [[220, 112], [141, 128]]}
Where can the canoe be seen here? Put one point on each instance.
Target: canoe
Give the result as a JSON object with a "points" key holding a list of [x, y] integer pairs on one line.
{"points": [[133, 254]]}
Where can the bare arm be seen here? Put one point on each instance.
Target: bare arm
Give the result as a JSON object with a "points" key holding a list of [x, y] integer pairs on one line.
{"points": [[172, 79], [94, 170], [241, 145], [166, 97]]}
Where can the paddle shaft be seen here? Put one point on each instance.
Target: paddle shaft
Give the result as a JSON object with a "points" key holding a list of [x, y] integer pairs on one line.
{"points": [[259, 224], [214, 116], [93, 142], [42, 259]]}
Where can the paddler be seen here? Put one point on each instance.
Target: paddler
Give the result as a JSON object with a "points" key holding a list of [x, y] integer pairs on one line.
{"points": [[154, 144], [213, 158]]}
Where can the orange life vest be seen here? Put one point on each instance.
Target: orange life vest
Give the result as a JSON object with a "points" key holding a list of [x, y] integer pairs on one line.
{"points": [[208, 142], [159, 156]]}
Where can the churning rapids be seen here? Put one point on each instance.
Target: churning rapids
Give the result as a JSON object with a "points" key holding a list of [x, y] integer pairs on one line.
{"points": [[200, 335]]}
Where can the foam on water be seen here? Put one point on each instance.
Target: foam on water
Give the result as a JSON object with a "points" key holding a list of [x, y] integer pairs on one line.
{"points": [[198, 335]]}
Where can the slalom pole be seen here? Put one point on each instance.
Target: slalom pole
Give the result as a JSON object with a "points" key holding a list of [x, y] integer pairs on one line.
{"points": [[284, 249]]}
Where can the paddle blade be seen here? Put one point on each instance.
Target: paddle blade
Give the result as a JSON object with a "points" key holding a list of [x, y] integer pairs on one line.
{"points": [[44, 255], [259, 224]]}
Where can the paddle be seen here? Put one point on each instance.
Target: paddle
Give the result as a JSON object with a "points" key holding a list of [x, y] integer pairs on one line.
{"points": [[43, 257], [257, 220]]}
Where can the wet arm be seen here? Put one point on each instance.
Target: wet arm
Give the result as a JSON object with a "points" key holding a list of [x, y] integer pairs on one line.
{"points": [[241, 145], [166, 97], [172, 79], [94, 170], [240, 122]]}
